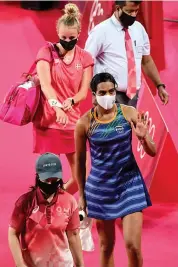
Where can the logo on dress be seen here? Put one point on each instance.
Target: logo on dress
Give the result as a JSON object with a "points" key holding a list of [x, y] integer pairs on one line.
{"points": [[119, 129], [35, 209], [78, 66]]}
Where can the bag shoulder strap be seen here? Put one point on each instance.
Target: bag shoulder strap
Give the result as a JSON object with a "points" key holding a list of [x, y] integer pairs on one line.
{"points": [[53, 54], [53, 51]]}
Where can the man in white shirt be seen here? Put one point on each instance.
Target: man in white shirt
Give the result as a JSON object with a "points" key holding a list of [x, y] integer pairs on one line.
{"points": [[107, 45]]}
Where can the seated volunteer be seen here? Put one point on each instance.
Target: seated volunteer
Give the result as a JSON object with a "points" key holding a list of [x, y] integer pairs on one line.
{"points": [[44, 225]]}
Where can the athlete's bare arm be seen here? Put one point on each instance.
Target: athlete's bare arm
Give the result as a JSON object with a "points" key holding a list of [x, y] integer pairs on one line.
{"points": [[140, 127], [81, 150]]}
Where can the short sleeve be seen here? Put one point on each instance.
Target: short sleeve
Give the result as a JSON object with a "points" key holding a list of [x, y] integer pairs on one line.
{"points": [[74, 221], [95, 42], [18, 217], [44, 54], [146, 43], [87, 60]]}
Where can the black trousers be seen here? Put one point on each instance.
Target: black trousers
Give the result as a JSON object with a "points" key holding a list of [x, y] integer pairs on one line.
{"points": [[122, 98]]}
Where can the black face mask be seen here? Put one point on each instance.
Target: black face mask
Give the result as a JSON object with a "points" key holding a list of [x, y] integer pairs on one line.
{"points": [[126, 20], [48, 189], [68, 45]]}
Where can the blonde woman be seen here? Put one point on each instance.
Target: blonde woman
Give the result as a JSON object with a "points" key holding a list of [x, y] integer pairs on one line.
{"points": [[64, 83]]}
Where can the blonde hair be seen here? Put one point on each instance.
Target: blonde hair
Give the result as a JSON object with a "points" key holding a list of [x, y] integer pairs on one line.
{"points": [[71, 17]]}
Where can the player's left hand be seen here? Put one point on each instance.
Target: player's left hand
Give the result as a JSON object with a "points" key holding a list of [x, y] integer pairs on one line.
{"points": [[67, 105], [163, 94], [141, 127]]}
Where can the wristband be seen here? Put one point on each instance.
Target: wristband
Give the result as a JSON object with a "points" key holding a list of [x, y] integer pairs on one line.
{"points": [[161, 84], [55, 103], [143, 140]]}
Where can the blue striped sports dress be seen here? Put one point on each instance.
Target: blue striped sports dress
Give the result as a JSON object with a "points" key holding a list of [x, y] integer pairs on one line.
{"points": [[115, 186]]}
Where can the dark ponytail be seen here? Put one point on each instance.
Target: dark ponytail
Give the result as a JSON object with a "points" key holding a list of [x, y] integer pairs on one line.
{"points": [[34, 187]]}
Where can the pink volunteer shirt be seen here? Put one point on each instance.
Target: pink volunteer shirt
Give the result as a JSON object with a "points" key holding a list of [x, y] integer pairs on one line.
{"points": [[66, 80], [43, 227]]}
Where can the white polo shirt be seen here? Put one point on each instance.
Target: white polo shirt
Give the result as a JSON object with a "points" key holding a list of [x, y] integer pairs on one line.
{"points": [[106, 43]]}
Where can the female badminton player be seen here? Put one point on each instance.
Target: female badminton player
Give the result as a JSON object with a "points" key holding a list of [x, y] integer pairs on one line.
{"points": [[115, 187], [64, 83]]}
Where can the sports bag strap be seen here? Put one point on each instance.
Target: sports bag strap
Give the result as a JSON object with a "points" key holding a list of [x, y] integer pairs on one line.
{"points": [[31, 70], [53, 51], [53, 54], [28, 75]]}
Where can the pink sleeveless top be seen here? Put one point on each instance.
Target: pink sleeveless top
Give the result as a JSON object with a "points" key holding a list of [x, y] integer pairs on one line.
{"points": [[66, 80]]}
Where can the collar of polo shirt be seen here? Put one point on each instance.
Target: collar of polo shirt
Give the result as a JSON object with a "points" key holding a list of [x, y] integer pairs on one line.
{"points": [[116, 22]]}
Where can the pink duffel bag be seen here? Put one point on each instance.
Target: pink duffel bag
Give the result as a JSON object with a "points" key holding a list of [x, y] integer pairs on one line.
{"points": [[22, 100]]}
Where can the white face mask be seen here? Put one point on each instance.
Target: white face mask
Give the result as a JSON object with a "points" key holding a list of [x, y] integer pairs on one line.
{"points": [[106, 101]]}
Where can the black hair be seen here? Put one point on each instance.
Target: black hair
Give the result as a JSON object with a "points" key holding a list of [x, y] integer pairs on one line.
{"points": [[123, 3], [34, 187], [100, 78]]}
